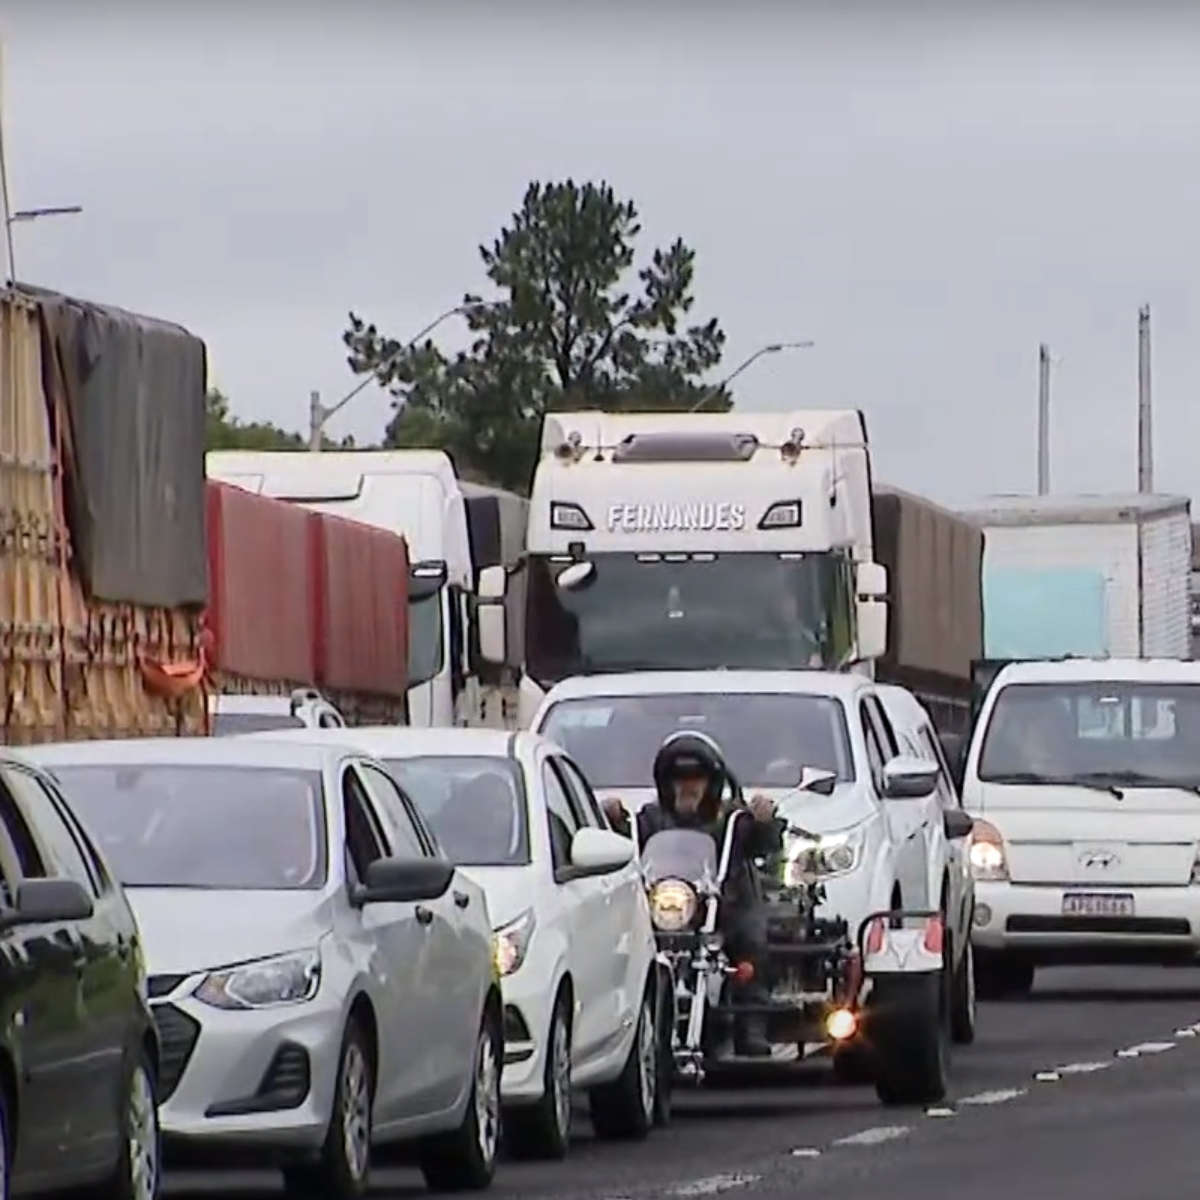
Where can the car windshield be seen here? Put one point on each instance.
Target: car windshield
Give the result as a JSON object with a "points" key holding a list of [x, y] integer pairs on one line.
{"points": [[1131, 733], [229, 724], [766, 738], [687, 612], [683, 854], [257, 828], [476, 806]]}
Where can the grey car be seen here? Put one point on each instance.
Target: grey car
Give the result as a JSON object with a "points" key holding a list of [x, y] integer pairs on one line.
{"points": [[321, 976]]}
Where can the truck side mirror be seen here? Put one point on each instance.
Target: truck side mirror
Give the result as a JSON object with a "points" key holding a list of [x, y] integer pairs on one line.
{"points": [[489, 612], [870, 585]]}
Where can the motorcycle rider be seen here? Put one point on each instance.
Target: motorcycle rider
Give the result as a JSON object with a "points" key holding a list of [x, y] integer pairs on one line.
{"points": [[691, 777]]}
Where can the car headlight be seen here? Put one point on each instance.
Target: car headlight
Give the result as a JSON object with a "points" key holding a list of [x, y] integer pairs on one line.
{"points": [[510, 943], [824, 857], [673, 905], [267, 983], [986, 854]]}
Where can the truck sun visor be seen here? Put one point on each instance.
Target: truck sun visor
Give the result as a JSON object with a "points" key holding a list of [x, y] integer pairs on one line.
{"points": [[686, 447]]}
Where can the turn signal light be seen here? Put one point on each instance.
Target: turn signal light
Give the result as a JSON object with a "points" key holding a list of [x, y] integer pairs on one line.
{"points": [[841, 1024], [743, 973]]}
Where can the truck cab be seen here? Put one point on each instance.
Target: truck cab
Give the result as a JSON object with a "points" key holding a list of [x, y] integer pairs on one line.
{"points": [[412, 493]]}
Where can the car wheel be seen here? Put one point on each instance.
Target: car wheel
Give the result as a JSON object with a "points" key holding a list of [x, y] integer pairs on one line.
{"points": [[344, 1169], [138, 1174], [465, 1159], [1002, 975], [908, 1032], [665, 1012], [5, 1147], [623, 1110], [543, 1130], [963, 998]]}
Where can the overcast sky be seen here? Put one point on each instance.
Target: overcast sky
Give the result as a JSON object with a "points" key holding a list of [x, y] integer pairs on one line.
{"points": [[926, 196]]}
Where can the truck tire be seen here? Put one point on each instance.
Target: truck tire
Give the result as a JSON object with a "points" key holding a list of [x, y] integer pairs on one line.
{"points": [[1002, 975], [908, 1031]]}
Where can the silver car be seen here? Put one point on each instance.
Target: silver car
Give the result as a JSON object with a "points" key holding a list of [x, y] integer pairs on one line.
{"points": [[321, 976]]}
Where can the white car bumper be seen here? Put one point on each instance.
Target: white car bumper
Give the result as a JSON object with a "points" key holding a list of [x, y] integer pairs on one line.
{"points": [[1029, 918], [528, 997], [258, 1079]]}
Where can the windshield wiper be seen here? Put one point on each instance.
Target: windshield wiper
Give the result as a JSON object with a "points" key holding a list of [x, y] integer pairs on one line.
{"points": [[1097, 782], [1144, 779]]}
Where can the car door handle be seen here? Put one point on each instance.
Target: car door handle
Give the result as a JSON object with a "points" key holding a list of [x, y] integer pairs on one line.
{"points": [[461, 899], [424, 915]]}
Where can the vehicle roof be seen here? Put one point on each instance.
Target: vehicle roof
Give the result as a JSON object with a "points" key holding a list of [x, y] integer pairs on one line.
{"points": [[902, 699], [1083, 670], [402, 741], [183, 751], [665, 683]]}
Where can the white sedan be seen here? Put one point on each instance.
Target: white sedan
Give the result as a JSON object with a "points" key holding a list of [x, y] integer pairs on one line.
{"points": [[574, 942], [321, 977]]}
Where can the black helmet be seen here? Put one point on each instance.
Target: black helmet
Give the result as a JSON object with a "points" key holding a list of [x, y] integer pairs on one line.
{"points": [[688, 754]]}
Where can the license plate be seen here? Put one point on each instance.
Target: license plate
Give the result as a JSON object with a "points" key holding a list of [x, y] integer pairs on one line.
{"points": [[1097, 904]]}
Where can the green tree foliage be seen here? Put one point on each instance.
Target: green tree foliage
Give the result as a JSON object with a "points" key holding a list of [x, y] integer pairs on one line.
{"points": [[228, 432], [575, 323]]}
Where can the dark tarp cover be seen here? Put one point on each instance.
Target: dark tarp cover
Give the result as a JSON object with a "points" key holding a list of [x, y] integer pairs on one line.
{"points": [[132, 390]]}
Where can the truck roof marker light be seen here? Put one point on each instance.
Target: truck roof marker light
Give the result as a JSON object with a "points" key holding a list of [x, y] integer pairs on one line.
{"points": [[790, 450], [783, 514], [564, 515]]}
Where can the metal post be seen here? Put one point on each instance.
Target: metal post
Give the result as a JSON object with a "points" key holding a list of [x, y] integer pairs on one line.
{"points": [[1145, 429], [316, 419], [1043, 425]]}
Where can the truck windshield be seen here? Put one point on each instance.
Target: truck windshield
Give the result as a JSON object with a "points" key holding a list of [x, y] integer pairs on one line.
{"points": [[687, 612], [1128, 733], [766, 739], [425, 642]]}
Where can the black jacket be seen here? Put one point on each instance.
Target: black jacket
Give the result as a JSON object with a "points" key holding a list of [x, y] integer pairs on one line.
{"points": [[752, 839]]}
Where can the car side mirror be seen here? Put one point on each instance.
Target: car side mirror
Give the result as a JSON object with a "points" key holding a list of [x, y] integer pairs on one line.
{"points": [[908, 777], [599, 851], [404, 881], [817, 780], [957, 824], [47, 901]]}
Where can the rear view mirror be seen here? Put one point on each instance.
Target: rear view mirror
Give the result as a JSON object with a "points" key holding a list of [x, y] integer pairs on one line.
{"points": [[48, 901], [907, 777], [490, 615], [404, 880]]}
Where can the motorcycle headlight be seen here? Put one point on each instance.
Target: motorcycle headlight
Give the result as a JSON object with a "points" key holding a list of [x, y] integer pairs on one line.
{"points": [[823, 858], [673, 905], [268, 983]]}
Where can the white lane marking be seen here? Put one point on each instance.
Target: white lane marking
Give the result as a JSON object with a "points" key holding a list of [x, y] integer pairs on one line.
{"points": [[1152, 1047], [873, 1137], [999, 1096], [1184, 1033], [940, 1110], [806, 1152], [712, 1185], [1084, 1068], [1047, 1077]]}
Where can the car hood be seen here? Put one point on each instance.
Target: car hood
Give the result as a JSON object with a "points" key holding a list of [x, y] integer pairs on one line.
{"points": [[846, 806], [185, 930], [509, 891]]}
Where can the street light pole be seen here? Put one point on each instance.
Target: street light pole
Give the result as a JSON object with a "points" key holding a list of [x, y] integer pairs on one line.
{"points": [[769, 348], [23, 215], [319, 415]]}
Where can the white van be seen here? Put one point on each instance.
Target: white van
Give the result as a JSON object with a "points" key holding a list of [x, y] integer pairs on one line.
{"points": [[1084, 779]]}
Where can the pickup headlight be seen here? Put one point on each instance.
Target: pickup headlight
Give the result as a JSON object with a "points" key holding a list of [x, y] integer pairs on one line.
{"points": [[510, 943], [268, 983], [673, 905], [823, 858]]}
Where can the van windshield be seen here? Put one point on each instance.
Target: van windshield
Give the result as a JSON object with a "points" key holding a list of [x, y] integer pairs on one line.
{"points": [[1131, 733]]}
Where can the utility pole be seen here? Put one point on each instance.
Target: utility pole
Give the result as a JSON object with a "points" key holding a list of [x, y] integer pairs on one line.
{"points": [[1043, 421], [1145, 429]]}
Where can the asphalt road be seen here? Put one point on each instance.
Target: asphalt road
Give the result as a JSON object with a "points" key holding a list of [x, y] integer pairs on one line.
{"points": [[1082, 1091]]}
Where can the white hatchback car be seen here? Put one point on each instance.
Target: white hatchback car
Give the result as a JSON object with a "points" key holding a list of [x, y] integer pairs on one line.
{"points": [[1084, 777], [574, 942], [321, 977]]}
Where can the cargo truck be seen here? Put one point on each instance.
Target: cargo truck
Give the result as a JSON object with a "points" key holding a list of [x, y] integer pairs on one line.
{"points": [[1106, 576], [701, 541]]}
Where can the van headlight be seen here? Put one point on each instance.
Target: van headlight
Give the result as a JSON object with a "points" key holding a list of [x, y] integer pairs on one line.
{"points": [[825, 857], [673, 905]]}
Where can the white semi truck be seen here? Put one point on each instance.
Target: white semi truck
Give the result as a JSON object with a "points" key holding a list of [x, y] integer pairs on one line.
{"points": [[694, 541], [417, 494]]}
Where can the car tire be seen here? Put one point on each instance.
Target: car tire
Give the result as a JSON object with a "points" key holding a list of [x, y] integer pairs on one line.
{"points": [[665, 1016], [543, 1130], [464, 1160], [623, 1110], [963, 997], [344, 1168], [908, 1034], [1002, 975], [138, 1173]]}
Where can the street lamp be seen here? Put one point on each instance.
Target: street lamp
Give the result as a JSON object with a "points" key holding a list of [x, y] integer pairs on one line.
{"points": [[24, 215], [319, 415], [769, 348]]}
